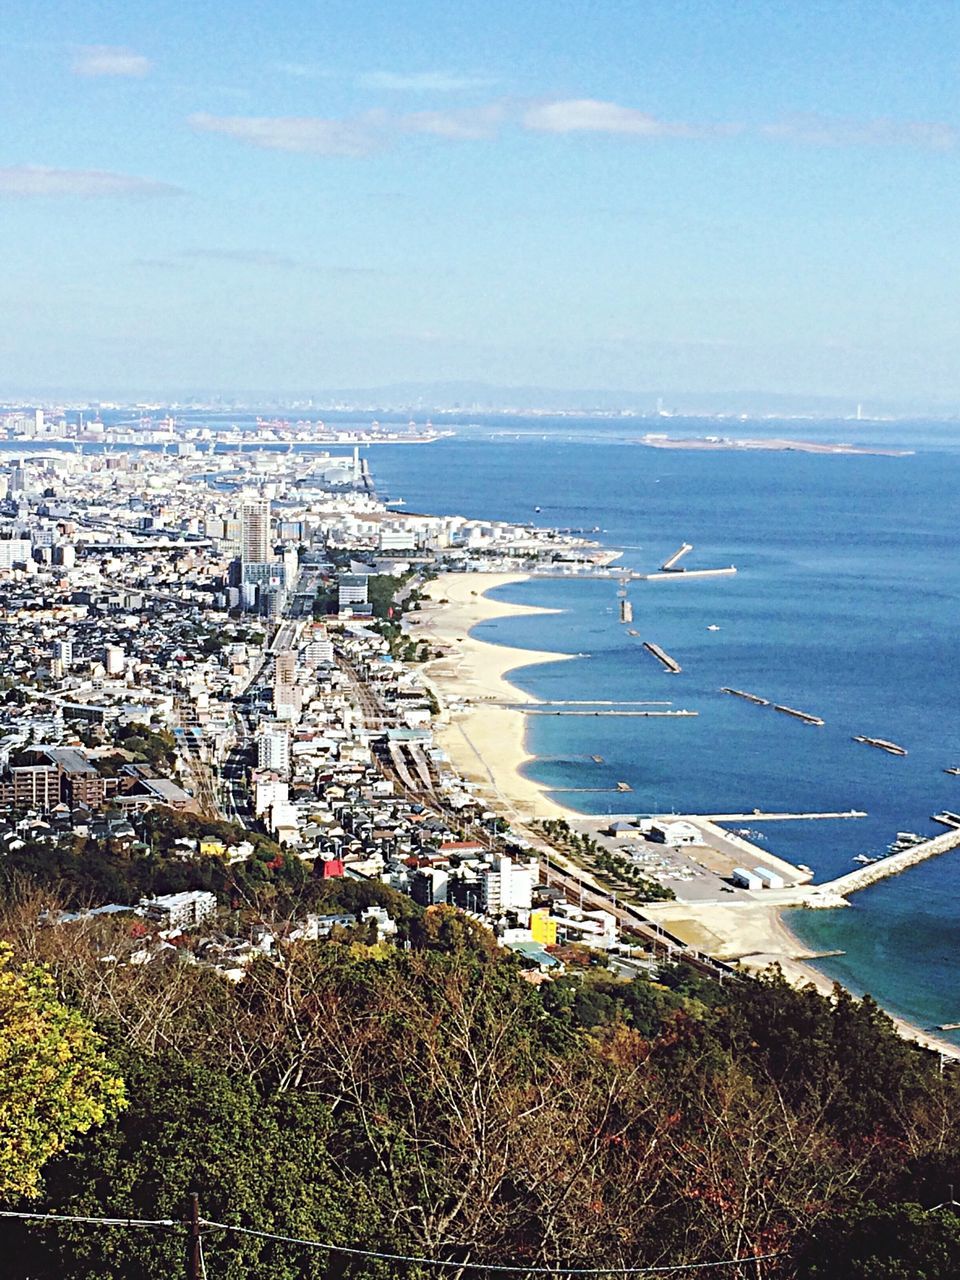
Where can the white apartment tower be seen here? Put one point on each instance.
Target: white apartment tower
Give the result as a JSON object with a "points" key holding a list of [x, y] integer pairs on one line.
{"points": [[273, 749]]}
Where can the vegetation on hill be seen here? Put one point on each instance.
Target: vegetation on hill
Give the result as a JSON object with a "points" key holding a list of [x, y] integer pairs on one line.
{"points": [[428, 1099]]}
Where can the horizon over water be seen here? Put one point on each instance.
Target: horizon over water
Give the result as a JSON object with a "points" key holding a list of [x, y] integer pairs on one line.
{"points": [[846, 605]]}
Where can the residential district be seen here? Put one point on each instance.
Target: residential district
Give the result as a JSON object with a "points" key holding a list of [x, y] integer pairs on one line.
{"points": [[214, 716]]}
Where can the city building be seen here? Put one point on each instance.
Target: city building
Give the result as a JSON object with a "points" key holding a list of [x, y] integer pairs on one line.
{"points": [[179, 910], [255, 543]]}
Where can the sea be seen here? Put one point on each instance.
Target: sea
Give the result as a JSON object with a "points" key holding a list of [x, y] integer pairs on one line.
{"points": [[845, 604]]}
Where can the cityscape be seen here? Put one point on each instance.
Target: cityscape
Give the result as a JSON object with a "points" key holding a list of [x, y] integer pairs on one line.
{"points": [[479, 624]]}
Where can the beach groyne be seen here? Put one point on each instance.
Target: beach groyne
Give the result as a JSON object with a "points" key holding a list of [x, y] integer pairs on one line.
{"points": [[671, 664]]}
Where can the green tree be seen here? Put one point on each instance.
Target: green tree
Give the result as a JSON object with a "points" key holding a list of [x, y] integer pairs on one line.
{"points": [[55, 1082], [903, 1242]]}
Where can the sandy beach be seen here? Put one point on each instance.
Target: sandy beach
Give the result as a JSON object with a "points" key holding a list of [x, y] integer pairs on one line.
{"points": [[485, 741], [754, 935]]}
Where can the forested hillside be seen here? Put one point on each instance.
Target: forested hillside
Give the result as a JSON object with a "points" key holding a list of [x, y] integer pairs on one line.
{"points": [[429, 1099]]}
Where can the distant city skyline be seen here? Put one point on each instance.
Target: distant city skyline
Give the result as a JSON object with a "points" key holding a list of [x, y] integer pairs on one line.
{"points": [[688, 198]]}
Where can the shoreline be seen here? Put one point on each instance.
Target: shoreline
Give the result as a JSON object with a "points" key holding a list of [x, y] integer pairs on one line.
{"points": [[756, 936], [486, 743], [484, 739]]}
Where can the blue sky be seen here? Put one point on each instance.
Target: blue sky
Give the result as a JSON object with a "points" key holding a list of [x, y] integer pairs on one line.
{"points": [[286, 196]]}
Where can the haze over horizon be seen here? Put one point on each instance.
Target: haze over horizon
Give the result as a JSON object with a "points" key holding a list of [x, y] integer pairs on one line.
{"points": [[686, 197]]}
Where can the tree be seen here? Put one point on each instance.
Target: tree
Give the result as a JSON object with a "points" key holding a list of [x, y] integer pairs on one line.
{"points": [[903, 1242], [55, 1082]]}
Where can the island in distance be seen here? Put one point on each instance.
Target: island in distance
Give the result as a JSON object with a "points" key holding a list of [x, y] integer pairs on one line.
{"points": [[655, 440]]}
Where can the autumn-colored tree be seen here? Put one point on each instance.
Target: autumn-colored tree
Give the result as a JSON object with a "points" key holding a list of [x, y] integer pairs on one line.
{"points": [[55, 1082]]}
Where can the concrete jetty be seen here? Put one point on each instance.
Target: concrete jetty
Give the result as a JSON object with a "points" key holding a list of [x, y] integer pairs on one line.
{"points": [[758, 815], [661, 655], [670, 564], [679, 575], [661, 715], [892, 865]]}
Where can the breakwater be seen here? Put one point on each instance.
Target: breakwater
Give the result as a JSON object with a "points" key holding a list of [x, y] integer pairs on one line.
{"points": [[671, 664]]}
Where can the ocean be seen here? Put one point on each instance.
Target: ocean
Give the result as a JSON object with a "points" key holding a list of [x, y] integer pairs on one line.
{"points": [[846, 605]]}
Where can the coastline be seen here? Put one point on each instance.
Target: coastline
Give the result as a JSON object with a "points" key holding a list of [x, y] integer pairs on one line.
{"points": [[484, 739], [486, 742]]}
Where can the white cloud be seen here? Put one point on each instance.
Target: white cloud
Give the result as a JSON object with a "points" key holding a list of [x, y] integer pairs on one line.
{"points": [[422, 81], [105, 60], [371, 131], [353, 136], [465, 125], [309, 135], [818, 131], [26, 180], [590, 115]]}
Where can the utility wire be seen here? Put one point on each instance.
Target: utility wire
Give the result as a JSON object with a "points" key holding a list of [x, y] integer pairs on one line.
{"points": [[99, 1222], [674, 1268], [440, 1263]]}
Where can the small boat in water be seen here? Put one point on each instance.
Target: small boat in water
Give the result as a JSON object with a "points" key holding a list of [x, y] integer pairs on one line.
{"points": [[713, 627]]}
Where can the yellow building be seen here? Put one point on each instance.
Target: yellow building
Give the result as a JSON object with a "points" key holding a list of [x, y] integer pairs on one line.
{"points": [[543, 927]]}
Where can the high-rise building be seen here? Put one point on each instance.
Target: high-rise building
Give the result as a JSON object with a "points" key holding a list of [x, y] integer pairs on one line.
{"points": [[255, 545], [63, 652], [273, 749], [508, 886]]}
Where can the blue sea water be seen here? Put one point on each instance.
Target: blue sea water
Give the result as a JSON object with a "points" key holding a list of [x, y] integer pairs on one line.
{"points": [[846, 605]]}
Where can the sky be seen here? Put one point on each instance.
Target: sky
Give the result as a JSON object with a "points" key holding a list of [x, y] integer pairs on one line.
{"points": [[677, 195]]}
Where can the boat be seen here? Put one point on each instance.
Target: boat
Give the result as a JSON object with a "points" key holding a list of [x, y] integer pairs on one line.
{"points": [[633, 633], [865, 859], [597, 759], [713, 627], [881, 744], [954, 772]]}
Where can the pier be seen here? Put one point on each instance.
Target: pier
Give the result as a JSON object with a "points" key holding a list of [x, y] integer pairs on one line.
{"points": [[678, 575], [661, 715], [670, 564], [759, 816], [671, 664]]}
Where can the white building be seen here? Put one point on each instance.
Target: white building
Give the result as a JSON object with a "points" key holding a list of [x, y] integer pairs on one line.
{"points": [[746, 879], [267, 792], [114, 660], [63, 652], [179, 910], [508, 886], [273, 749], [674, 833], [317, 651]]}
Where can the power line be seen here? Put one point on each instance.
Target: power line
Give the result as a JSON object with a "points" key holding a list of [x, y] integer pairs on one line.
{"points": [[192, 1223], [674, 1268], [99, 1222]]}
